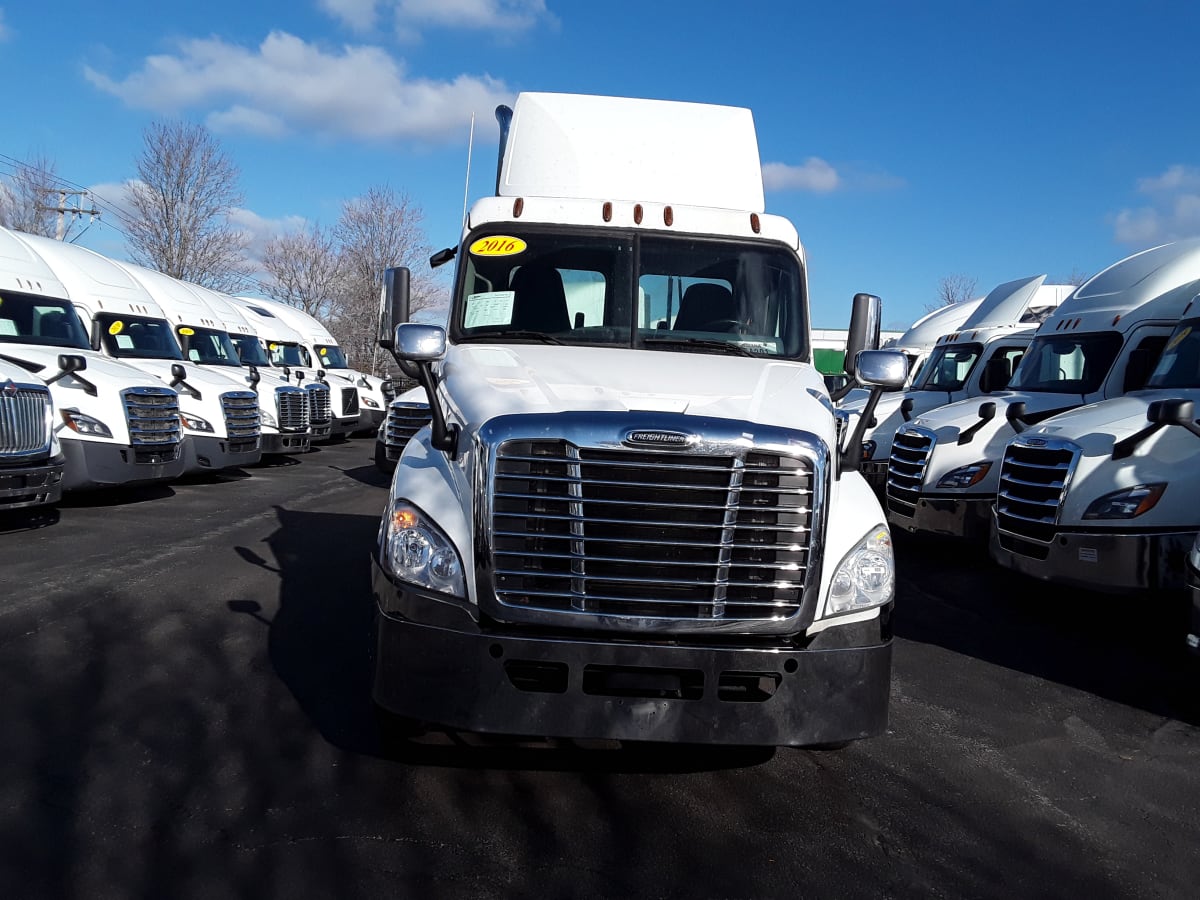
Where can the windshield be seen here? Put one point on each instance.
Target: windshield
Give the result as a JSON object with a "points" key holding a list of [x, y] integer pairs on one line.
{"points": [[948, 367], [47, 321], [331, 356], [285, 354], [137, 337], [1067, 364], [625, 289], [1179, 365], [207, 346], [249, 350]]}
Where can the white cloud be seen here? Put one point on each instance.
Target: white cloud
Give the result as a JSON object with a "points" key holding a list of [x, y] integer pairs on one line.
{"points": [[289, 85], [1172, 210], [357, 15], [815, 175], [258, 229], [410, 16]]}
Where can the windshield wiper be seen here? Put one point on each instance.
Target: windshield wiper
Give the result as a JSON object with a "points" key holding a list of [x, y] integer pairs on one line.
{"points": [[701, 344], [515, 336]]}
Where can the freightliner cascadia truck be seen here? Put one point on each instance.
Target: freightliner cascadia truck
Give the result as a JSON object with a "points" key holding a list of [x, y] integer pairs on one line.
{"points": [[629, 516]]}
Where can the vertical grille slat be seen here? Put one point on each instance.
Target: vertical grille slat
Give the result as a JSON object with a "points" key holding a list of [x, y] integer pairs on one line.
{"points": [[24, 426], [1033, 482], [911, 449], [660, 534]]}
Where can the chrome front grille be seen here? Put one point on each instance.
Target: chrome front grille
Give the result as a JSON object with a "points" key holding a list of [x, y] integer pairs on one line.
{"points": [[152, 414], [24, 421], [403, 421], [721, 535], [293, 406], [319, 409], [349, 401], [241, 417], [911, 449], [1033, 482]]}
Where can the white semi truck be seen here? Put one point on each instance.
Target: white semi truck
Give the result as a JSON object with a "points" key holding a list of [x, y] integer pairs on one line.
{"points": [[1193, 580], [219, 417], [115, 424], [1101, 342], [629, 517], [199, 318], [285, 352], [31, 461], [977, 357], [1106, 496], [357, 400]]}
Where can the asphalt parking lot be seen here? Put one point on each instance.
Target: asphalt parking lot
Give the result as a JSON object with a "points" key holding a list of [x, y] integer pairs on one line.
{"points": [[186, 714]]}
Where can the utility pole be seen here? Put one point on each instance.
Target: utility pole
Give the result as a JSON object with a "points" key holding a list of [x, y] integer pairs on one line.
{"points": [[60, 230]]}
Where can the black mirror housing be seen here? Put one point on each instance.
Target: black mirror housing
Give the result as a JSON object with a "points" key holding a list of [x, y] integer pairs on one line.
{"points": [[865, 315], [393, 305], [1171, 412]]}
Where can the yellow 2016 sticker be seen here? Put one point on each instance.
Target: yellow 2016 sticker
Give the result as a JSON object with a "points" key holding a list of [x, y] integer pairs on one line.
{"points": [[1178, 339], [324, 351], [116, 327], [272, 347], [186, 330], [498, 245]]}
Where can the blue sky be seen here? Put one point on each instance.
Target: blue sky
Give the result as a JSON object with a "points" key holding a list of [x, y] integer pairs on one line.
{"points": [[907, 140]]}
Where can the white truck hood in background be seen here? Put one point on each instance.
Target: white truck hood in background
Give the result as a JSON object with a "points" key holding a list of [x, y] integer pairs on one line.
{"points": [[98, 366], [485, 381]]}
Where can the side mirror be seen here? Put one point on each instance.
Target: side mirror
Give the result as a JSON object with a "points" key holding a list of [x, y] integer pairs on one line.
{"points": [[178, 372], [95, 336], [906, 408], [393, 304], [442, 257], [419, 343], [255, 378], [865, 315], [996, 374], [1015, 414], [69, 363], [885, 369]]}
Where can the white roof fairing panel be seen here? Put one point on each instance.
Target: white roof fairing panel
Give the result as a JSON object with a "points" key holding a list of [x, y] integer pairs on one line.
{"points": [[618, 148]]}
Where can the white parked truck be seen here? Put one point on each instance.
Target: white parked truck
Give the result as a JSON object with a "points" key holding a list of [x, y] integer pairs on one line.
{"points": [[290, 360], [1193, 580], [358, 400], [1101, 342], [629, 517], [1106, 496], [219, 416], [31, 461], [976, 358], [115, 424], [199, 317]]}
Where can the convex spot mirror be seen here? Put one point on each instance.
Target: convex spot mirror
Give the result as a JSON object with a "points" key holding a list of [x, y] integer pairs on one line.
{"points": [[887, 369], [420, 343]]}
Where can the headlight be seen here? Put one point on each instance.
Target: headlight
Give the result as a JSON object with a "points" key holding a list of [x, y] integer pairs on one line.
{"points": [[194, 423], [866, 576], [965, 476], [266, 418], [367, 401], [85, 424], [416, 551], [1127, 503]]}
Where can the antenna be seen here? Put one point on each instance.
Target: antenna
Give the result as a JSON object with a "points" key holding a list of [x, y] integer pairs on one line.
{"points": [[467, 186]]}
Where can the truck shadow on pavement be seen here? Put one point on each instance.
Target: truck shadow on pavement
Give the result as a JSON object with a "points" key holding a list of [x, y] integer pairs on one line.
{"points": [[319, 644], [1124, 648]]}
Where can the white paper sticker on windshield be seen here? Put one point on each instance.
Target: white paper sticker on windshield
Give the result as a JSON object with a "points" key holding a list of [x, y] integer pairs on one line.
{"points": [[489, 308]]}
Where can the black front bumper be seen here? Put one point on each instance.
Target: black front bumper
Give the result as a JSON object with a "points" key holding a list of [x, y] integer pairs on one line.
{"points": [[456, 674]]}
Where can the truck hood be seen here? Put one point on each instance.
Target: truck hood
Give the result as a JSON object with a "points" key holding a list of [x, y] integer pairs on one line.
{"points": [[99, 367], [485, 381], [1110, 420]]}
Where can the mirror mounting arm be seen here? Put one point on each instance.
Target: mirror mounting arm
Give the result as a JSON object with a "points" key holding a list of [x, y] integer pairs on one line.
{"points": [[852, 456], [443, 437]]}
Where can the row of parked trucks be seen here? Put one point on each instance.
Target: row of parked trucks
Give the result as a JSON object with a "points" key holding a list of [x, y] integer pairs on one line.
{"points": [[114, 374], [1066, 437]]}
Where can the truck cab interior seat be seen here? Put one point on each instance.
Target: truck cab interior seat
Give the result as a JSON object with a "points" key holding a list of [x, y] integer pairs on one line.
{"points": [[703, 304], [539, 300]]}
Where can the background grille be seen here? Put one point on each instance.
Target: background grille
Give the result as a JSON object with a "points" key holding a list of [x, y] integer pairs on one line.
{"points": [[1033, 481], [911, 450], [23, 425], [241, 419], [650, 533], [292, 403], [319, 412], [152, 414], [404, 420], [350, 401]]}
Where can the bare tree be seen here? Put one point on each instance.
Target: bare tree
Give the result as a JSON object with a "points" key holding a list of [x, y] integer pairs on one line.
{"points": [[375, 231], [307, 270], [180, 205], [28, 195], [1077, 277], [953, 289]]}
